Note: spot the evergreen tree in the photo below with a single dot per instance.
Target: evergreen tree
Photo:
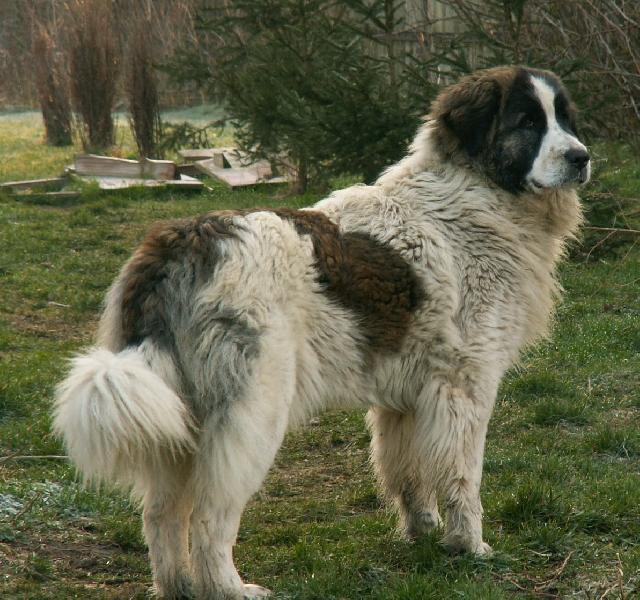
(312, 83)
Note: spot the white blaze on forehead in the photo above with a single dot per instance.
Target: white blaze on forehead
(546, 95)
(550, 167)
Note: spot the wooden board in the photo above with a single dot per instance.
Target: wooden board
(187, 169)
(108, 166)
(220, 161)
(225, 157)
(190, 154)
(234, 159)
(34, 184)
(120, 183)
(194, 154)
(242, 176)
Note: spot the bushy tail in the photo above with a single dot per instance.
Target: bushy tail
(116, 415)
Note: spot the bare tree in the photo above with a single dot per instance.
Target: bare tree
(52, 85)
(593, 44)
(142, 88)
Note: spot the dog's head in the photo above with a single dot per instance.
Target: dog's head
(515, 124)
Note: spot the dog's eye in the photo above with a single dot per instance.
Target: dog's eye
(525, 121)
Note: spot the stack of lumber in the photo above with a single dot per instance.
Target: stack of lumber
(118, 173)
(231, 166)
(225, 164)
(109, 173)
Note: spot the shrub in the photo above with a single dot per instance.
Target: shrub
(594, 45)
(186, 135)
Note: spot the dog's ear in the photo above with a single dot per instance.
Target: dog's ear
(464, 114)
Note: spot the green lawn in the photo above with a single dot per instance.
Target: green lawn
(562, 471)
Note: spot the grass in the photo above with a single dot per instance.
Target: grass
(560, 491)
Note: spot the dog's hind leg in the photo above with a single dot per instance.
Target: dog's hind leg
(400, 470)
(167, 505)
(237, 448)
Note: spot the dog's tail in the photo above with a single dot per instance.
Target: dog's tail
(116, 413)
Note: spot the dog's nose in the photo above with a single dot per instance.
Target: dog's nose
(577, 158)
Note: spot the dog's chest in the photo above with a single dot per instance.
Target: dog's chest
(505, 291)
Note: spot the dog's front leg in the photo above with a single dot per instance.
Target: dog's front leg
(451, 426)
(404, 478)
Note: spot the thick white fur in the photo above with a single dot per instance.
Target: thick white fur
(486, 259)
(115, 412)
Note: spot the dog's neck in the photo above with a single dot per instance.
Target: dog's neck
(422, 157)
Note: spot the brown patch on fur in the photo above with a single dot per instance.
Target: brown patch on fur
(143, 311)
(464, 112)
(365, 276)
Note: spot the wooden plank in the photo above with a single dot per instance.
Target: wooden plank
(220, 161)
(34, 184)
(108, 166)
(235, 160)
(107, 183)
(195, 154)
(239, 177)
(186, 182)
(187, 169)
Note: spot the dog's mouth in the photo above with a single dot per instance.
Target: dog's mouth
(535, 186)
(578, 177)
(585, 174)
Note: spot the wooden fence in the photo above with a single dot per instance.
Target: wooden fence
(427, 27)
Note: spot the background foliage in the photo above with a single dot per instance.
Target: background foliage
(305, 82)
(327, 87)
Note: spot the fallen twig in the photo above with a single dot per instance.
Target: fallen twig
(26, 508)
(623, 596)
(596, 246)
(4, 459)
(556, 575)
(539, 593)
(613, 230)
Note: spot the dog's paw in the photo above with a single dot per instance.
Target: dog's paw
(457, 545)
(180, 590)
(483, 549)
(252, 591)
(422, 523)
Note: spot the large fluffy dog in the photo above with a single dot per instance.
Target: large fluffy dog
(410, 297)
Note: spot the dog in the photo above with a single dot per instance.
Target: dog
(410, 298)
